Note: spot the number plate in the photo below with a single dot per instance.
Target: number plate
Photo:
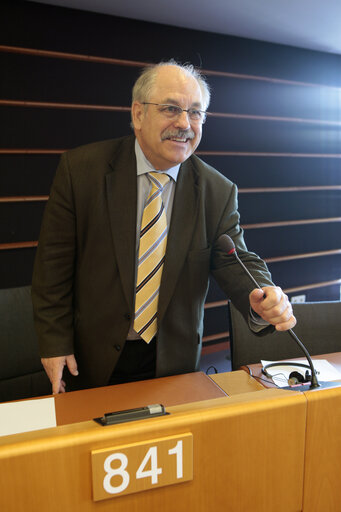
(141, 466)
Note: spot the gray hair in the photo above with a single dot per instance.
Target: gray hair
(143, 87)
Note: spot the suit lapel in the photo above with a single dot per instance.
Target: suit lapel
(121, 189)
(183, 221)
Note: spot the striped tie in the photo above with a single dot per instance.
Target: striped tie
(153, 241)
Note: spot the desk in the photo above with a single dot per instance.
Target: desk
(87, 404)
(248, 452)
(255, 370)
(322, 489)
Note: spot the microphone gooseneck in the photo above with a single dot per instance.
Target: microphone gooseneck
(226, 244)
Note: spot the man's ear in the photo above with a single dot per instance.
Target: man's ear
(137, 114)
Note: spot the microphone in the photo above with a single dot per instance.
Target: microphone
(226, 244)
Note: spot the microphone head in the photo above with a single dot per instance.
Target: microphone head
(226, 244)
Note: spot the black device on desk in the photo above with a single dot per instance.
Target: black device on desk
(140, 413)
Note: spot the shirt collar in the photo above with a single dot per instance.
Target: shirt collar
(144, 166)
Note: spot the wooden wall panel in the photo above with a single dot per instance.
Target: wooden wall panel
(305, 103)
(241, 135)
(16, 267)
(303, 271)
(294, 239)
(279, 206)
(20, 221)
(274, 130)
(60, 128)
(26, 175)
(63, 80)
(278, 171)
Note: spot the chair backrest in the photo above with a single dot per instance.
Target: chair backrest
(318, 327)
(21, 372)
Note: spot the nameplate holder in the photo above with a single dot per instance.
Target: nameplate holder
(141, 466)
(140, 413)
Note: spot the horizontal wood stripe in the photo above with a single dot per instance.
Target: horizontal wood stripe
(318, 254)
(270, 155)
(261, 225)
(218, 303)
(290, 257)
(252, 117)
(34, 243)
(312, 286)
(71, 106)
(132, 63)
(242, 76)
(208, 305)
(18, 245)
(322, 284)
(23, 199)
(31, 151)
(216, 347)
(217, 336)
(48, 151)
(288, 189)
(115, 108)
(72, 56)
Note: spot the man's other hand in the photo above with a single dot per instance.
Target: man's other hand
(54, 367)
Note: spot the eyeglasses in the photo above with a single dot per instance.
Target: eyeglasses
(173, 111)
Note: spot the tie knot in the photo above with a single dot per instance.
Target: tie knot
(159, 179)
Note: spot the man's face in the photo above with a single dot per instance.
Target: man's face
(166, 142)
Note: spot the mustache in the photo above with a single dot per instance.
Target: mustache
(178, 134)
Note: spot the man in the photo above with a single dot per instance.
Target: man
(90, 293)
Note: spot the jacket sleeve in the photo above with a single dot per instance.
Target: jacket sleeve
(226, 270)
(54, 268)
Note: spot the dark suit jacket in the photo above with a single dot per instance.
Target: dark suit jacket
(84, 274)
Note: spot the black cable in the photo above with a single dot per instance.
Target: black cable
(265, 380)
(214, 368)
